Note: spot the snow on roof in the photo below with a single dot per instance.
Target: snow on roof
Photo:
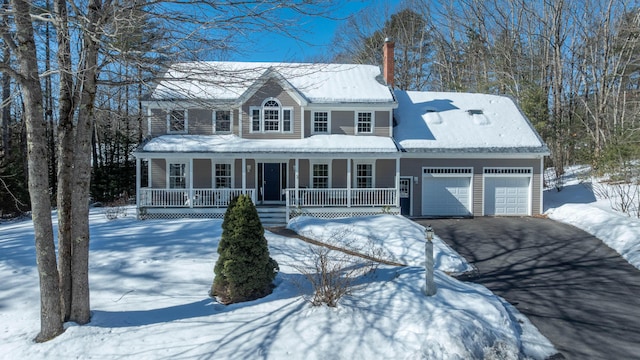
(318, 83)
(235, 144)
(440, 121)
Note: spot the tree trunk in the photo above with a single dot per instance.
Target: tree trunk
(65, 156)
(80, 307)
(50, 310)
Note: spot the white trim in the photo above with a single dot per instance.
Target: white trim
(371, 162)
(138, 174)
(186, 121)
(240, 118)
(281, 111)
(149, 117)
(390, 123)
(181, 161)
(444, 171)
(231, 163)
(313, 121)
(508, 172)
(329, 163)
(447, 172)
(214, 124)
(410, 179)
(456, 154)
(302, 128)
(541, 187)
(251, 119)
(355, 122)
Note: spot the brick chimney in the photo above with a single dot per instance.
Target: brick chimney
(388, 61)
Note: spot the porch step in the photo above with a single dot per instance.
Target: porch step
(271, 216)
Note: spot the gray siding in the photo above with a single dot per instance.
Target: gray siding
(200, 121)
(202, 174)
(158, 173)
(271, 89)
(158, 122)
(342, 122)
(339, 173)
(382, 123)
(385, 173)
(413, 167)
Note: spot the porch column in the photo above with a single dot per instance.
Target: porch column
(244, 175)
(348, 182)
(296, 168)
(138, 174)
(397, 182)
(191, 199)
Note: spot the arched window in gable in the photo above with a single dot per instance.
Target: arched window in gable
(271, 113)
(271, 117)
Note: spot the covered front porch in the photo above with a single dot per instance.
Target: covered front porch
(198, 186)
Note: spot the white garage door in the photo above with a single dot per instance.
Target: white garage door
(446, 196)
(506, 195)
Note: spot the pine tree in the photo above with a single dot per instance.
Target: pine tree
(244, 271)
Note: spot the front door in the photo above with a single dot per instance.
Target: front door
(405, 196)
(273, 177)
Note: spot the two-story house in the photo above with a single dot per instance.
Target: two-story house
(331, 140)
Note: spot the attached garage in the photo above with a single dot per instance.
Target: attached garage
(507, 191)
(446, 191)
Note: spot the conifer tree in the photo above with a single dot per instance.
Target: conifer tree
(244, 271)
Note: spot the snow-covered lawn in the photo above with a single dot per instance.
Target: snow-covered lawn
(149, 284)
(578, 205)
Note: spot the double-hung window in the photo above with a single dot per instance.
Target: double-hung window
(364, 122)
(222, 121)
(364, 176)
(320, 176)
(271, 113)
(320, 122)
(223, 176)
(177, 121)
(177, 176)
(271, 117)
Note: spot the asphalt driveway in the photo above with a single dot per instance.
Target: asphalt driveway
(578, 292)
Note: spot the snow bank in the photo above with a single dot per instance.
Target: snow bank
(619, 232)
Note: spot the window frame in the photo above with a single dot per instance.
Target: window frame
(356, 175)
(327, 121)
(259, 125)
(214, 119)
(185, 174)
(312, 175)
(372, 122)
(215, 176)
(185, 120)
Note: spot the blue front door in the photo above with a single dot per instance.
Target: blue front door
(271, 182)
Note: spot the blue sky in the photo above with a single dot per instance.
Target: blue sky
(316, 34)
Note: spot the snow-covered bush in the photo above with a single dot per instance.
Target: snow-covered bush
(244, 271)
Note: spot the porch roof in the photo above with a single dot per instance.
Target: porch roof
(232, 144)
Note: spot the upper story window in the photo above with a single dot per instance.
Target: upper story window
(222, 121)
(320, 122)
(177, 121)
(364, 122)
(271, 117)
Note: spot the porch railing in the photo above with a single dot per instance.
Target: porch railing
(341, 197)
(188, 198)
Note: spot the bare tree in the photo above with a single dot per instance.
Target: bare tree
(28, 78)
